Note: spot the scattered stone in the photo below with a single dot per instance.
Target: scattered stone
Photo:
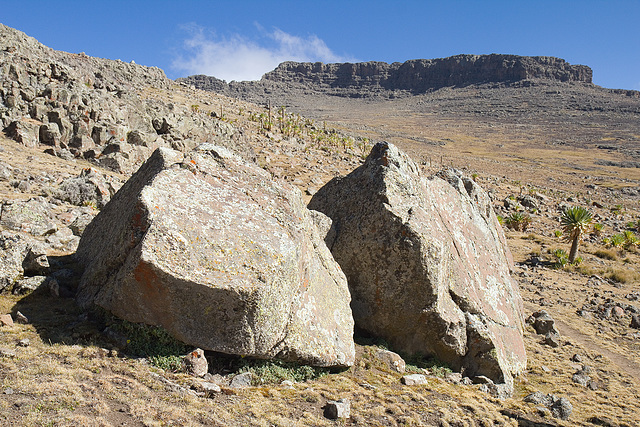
(31, 216)
(617, 312)
(337, 409)
(562, 408)
(5, 352)
(559, 407)
(543, 323)
(25, 342)
(453, 377)
(635, 321)
(287, 383)
(88, 189)
(80, 223)
(414, 379)
(13, 249)
(35, 261)
(392, 360)
(64, 240)
(576, 358)
(241, 380)
(210, 388)
(6, 320)
(21, 318)
(552, 339)
(30, 284)
(195, 363)
(581, 378)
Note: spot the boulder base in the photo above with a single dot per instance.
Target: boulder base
(211, 249)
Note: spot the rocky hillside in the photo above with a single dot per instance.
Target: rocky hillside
(91, 108)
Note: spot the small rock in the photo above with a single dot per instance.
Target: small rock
(35, 262)
(552, 339)
(241, 380)
(414, 379)
(196, 363)
(635, 321)
(539, 398)
(617, 312)
(581, 378)
(576, 358)
(6, 320)
(392, 360)
(24, 342)
(335, 409)
(542, 322)
(562, 408)
(21, 318)
(210, 388)
(30, 284)
(8, 391)
(5, 352)
(453, 377)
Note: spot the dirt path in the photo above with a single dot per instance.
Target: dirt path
(630, 367)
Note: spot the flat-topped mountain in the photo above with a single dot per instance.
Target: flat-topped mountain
(411, 77)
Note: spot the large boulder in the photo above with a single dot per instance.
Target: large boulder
(225, 259)
(427, 264)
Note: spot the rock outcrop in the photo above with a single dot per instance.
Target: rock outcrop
(94, 108)
(413, 77)
(427, 264)
(225, 259)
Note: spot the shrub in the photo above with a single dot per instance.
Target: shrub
(597, 229)
(630, 240)
(617, 240)
(154, 343)
(562, 259)
(518, 221)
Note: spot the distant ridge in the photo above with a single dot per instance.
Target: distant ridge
(412, 77)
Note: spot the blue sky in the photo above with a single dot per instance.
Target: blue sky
(238, 40)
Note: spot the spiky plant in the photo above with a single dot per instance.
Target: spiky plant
(575, 221)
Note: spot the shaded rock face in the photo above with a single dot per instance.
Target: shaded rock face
(210, 248)
(95, 108)
(427, 264)
(420, 75)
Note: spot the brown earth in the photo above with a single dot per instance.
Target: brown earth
(71, 374)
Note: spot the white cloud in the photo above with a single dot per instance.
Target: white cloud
(238, 58)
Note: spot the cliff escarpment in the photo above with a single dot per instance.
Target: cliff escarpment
(411, 77)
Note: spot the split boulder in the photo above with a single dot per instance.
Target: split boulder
(213, 250)
(427, 264)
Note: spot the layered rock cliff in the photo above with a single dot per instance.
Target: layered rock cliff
(414, 76)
